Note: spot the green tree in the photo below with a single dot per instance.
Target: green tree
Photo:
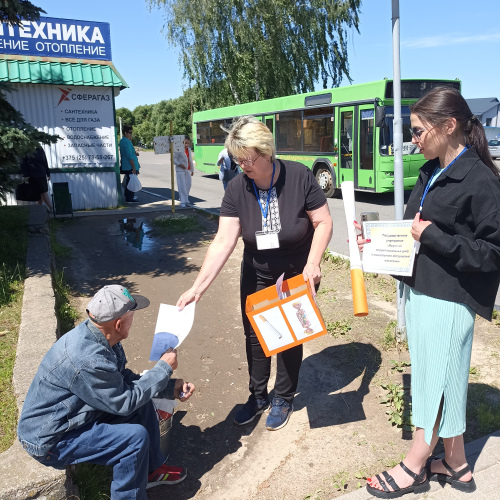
(142, 113)
(126, 115)
(145, 133)
(17, 137)
(163, 113)
(259, 49)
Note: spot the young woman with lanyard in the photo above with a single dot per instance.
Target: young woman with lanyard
(455, 207)
(282, 215)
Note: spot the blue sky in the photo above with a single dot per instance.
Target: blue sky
(439, 39)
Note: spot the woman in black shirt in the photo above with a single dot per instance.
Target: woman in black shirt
(282, 215)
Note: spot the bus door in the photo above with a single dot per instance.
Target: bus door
(269, 122)
(365, 172)
(347, 140)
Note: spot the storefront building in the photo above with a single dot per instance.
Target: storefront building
(66, 85)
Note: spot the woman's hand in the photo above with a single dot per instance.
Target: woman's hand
(188, 297)
(192, 173)
(183, 390)
(418, 226)
(312, 273)
(359, 238)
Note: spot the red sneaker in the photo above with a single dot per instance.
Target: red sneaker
(166, 474)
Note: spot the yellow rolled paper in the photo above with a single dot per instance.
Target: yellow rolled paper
(359, 302)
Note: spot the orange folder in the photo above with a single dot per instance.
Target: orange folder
(283, 323)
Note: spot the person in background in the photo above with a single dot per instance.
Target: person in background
(129, 163)
(228, 169)
(184, 170)
(83, 405)
(282, 215)
(455, 207)
(36, 168)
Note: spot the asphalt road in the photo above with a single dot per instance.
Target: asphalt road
(207, 193)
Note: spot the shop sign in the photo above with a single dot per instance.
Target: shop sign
(85, 122)
(52, 37)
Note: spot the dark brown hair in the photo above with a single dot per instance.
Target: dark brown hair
(126, 129)
(441, 104)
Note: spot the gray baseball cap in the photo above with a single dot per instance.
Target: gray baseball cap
(113, 301)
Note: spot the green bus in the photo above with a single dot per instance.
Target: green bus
(341, 134)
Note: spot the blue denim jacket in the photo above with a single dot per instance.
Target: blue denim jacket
(80, 379)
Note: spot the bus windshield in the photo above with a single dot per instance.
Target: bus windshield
(387, 133)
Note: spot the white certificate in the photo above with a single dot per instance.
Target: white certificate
(392, 247)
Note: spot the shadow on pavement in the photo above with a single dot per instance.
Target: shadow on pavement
(105, 250)
(325, 375)
(200, 451)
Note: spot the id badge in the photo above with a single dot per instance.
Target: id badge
(266, 241)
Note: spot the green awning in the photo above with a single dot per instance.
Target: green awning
(60, 73)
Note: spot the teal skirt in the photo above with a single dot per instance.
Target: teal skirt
(440, 341)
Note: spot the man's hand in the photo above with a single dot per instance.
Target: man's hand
(170, 357)
(183, 390)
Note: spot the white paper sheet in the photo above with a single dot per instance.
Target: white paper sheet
(172, 327)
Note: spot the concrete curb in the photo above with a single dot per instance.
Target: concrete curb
(22, 477)
(483, 456)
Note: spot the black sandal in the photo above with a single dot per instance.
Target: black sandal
(454, 478)
(420, 484)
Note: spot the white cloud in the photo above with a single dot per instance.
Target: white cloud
(443, 40)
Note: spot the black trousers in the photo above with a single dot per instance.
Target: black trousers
(259, 365)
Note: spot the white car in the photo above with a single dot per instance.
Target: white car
(494, 147)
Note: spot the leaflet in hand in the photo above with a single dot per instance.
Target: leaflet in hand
(172, 327)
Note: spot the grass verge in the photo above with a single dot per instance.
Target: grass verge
(14, 238)
(66, 313)
(177, 223)
(93, 481)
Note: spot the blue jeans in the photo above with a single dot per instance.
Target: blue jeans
(130, 444)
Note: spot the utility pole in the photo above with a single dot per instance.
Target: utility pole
(398, 158)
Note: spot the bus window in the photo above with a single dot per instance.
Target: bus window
(289, 131)
(387, 133)
(203, 133)
(346, 139)
(318, 130)
(269, 124)
(366, 139)
(218, 135)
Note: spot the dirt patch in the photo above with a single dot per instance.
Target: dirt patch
(339, 432)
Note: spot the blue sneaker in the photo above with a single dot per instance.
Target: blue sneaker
(250, 410)
(279, 414)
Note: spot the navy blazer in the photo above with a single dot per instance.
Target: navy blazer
(459, 257)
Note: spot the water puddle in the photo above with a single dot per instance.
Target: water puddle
(136, 234)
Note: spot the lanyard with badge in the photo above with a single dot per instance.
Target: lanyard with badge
(266, 240)
(437, 172)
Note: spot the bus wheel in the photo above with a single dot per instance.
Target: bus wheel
(326, 179)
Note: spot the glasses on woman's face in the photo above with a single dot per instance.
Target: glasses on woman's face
(247, 162)
(417, 132)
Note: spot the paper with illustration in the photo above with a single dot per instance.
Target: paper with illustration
(172, 327)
